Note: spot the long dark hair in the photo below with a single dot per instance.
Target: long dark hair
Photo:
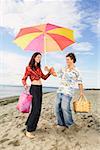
(32, 61)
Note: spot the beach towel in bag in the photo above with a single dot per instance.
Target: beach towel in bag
(82, 105)
(24, 102)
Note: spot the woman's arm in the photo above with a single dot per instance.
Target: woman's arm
(43, 76)
(51, 70)
(25, 78)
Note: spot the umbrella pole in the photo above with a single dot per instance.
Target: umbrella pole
(45, 50)
(45, 57)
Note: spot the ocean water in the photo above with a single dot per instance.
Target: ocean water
(7, 91)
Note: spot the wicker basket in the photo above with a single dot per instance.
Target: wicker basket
(82, 105)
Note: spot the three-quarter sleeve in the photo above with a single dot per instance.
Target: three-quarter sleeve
(25, 77)
(43, 76)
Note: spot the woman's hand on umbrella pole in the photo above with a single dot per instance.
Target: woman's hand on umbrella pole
(46, 68)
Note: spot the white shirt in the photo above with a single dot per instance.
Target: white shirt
(69, 78)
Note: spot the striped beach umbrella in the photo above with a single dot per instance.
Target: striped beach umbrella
(44, 38)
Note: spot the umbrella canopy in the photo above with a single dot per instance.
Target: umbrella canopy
(44, 38)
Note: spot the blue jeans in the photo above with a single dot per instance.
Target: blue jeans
(63, 110)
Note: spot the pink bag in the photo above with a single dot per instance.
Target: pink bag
(24, 102)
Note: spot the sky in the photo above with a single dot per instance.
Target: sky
(78, 15)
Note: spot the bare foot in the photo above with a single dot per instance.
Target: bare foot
(30, 135)
(75, 127)
(61, 128)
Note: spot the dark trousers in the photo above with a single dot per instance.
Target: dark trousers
(33, 118)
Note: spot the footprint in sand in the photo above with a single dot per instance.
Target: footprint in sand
(88, 120)
(19, 125)
(74, 141)
(91, 122)
(5, 135)
(78, 146)
(3, 140)
(2, 116)
(14, 143)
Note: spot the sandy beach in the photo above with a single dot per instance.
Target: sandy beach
(47, 135)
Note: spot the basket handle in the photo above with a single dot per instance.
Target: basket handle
(83, 97)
